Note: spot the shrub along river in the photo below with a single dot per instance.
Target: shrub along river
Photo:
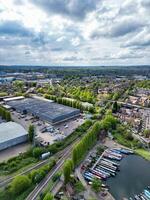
(133, 177)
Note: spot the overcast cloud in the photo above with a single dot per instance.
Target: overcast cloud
(75, 32)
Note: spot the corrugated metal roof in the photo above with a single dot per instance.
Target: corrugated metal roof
(11, 130)
(45, 110)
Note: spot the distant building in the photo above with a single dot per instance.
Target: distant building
(4, 80)
(11, 134)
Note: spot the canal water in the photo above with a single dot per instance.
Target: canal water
(133, 177)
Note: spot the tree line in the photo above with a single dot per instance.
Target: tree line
(86, 143)
(72, 103)
(23, 183)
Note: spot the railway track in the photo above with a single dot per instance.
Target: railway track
(39, 188)
(5, 182)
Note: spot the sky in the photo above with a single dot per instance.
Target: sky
(74, 32)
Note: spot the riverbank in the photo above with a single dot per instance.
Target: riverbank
(144, 153)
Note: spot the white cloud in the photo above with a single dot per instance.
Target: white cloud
(61, 38)
(88, 32)
(75, 41)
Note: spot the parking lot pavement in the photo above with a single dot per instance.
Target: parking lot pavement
(59, 132)
(112, 144)
(69, 126)
(16, 117)
(13, 151)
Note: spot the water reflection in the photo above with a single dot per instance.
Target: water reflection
(133, 177)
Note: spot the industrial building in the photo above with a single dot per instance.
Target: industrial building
(45, 110)
(11, 134)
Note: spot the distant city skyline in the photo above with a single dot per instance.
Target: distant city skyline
(74, 32)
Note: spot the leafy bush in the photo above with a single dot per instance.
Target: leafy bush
(37, 175)
(48, 196)
(19, 185)
(37, 151)
(56, 177)
(16, 163)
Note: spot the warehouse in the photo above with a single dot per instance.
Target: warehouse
(45, 110)
(11, 134)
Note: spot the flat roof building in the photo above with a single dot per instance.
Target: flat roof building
(11, 134)
(45, 110)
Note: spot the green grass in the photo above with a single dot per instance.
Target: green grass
(3, 94)
(144, 153)
(123, 141)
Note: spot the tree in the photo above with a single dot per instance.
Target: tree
(115, 107)
(19, 85)
(37, 151)
(86, 143)
(67, 170)
(128, 136)
(48, 196)
(96, 184)
(19, 185)
(56, 176)
(31, 132)
(32, 175)
(8, 116)
(116, 96)
(39, 176)
(5, 114)
(147, 133)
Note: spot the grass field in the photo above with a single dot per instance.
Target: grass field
(144, 153)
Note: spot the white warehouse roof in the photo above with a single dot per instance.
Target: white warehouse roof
(13, 98)
(10, 131)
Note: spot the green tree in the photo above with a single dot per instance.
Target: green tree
(75, 155)
(19, 85)
(147, 133)
(48, 196)
(67, 170)
(39, 176)
(32, 175)
(115, 107)
(96, 184)
(37, 151)
(7, 116)
(31, 132)
(116, 96)
(19, 185)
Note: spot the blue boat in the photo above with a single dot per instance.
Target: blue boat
(126, 151)
(116, 151)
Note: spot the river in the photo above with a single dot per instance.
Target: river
(133, 177)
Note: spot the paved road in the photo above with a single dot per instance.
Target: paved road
(55, 189)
